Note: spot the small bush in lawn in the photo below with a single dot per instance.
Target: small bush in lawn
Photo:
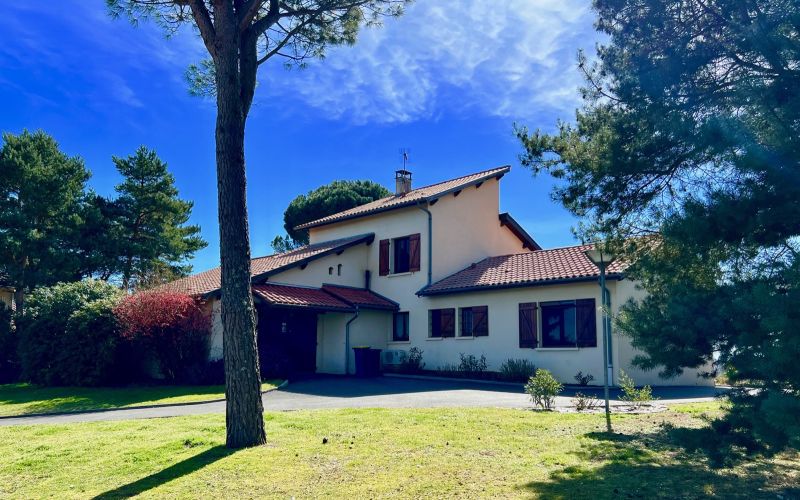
(585, 402)
(634, 396)
(9, 362)
(173, 326)
(582, 379)
(517, 370)
(412, 362)
(471, 365)
(67, 336)
(543, 389)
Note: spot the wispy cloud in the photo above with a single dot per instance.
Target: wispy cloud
(512, 59)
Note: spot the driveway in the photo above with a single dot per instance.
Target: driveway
(322, 392)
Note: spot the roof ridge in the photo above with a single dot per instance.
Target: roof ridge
(454, 179)
(533, 252)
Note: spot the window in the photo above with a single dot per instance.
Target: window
(339, 270)
(569, 323)
(330, 270)
(441, 323)
(400, 329)
(474, 321)
(402, 254)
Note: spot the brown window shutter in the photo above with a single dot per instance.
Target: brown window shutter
(383, 268)
(527, 325)
(480, 321)
(413, 251)
(586, 322)
(448, 322)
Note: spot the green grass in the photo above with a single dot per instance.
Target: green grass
(25, 399)
(369, 453)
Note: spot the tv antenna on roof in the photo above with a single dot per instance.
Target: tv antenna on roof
(405, 153)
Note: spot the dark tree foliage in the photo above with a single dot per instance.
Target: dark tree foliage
(686, 159)
(42, 203)
(240, 36)
(150, 222)
(321, 202)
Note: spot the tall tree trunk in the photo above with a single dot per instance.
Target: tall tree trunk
(244, 410)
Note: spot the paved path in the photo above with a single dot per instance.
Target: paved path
(384, 392)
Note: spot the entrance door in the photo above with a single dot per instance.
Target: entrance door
(287, 341)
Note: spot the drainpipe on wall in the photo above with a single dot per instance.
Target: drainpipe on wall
(430, 243)
(347, 342)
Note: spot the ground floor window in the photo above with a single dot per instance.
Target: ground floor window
(400, 329)
(569, 323)
(441, 323)
(474, 321)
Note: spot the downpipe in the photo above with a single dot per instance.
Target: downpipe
(430, 243)
(347, 341)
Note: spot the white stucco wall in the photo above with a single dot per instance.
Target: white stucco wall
(353, 261)
(215, 352)
(7, 296)
(370, 328)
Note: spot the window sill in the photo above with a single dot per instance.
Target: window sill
(435, 338)
(399, 342)
(397, 275)
(558, 349)
(465, 337)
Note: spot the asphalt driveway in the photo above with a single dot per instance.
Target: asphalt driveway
(384, 392)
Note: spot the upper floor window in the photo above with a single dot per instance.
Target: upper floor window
(399, 255)
(441, 323)
(474, 321)
(569, 323)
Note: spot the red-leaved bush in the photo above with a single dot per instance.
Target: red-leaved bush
(174, 326)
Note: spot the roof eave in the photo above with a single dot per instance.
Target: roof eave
(523, 284)
(501, 171)
(527, 240)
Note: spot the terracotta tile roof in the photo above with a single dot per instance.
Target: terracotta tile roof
(423, 194)
(526, 269)
(361, 297)
(298, 296)
(261, 267)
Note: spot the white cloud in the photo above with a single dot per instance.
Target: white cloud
(510, 58)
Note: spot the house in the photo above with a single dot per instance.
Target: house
(440, 269)
(6, 292)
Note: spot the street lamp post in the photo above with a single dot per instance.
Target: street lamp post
(602, 261)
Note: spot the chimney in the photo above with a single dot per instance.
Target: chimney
(402, 180)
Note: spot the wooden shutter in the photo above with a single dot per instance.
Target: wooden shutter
(527, 325)
(413, 252)
(586, 323)
(383, 268)
(480, 321)
(448, 317)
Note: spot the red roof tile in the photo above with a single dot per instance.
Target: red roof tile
(532, 268)
(423, 194)
(209, 281)
(361, 297)
(297, 296)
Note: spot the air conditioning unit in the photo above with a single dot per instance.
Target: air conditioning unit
(393, 356)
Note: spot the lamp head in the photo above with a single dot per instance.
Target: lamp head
(598, 257)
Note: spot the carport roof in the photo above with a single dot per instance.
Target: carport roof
(327, 298)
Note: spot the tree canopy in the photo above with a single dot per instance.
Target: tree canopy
(321, 202)
(690, 135)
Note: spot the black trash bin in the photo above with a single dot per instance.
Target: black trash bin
(368, 361)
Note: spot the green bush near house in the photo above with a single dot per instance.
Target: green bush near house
(636, 397)
(517, 370)
(543, 389)
(68, 335)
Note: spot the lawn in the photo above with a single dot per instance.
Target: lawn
(25, 399)
(369, 453)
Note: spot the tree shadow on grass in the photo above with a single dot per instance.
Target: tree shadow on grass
(172, 472)
(666, 464)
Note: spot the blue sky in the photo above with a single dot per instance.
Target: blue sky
(447, 81)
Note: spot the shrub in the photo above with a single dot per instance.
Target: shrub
(585, 402)
(517, 370)
(173, 326)
(9, 362)
(67, 335)
(412, 362)
(471, 365)
(582, 379)
(543, 389)
(634, 396)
